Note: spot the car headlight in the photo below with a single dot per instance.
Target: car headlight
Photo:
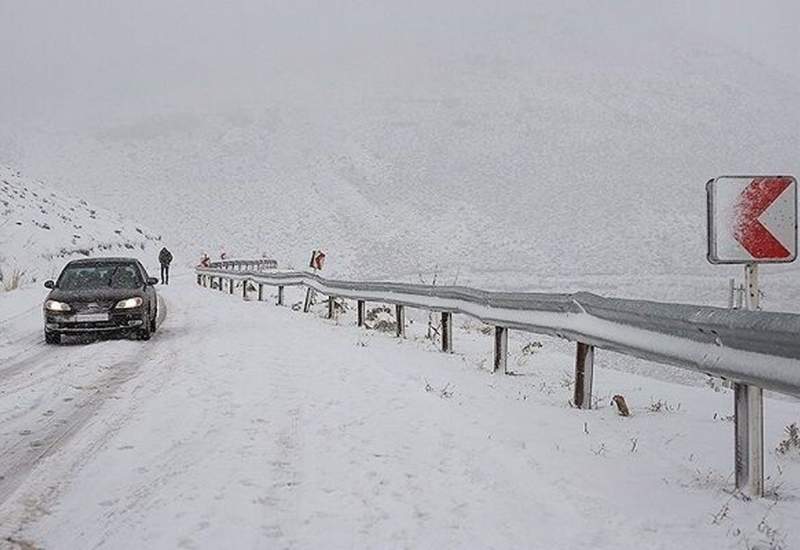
(129, 303)
(53, 305)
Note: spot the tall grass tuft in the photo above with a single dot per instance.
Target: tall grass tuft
(11, 281)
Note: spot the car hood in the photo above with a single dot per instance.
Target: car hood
(97, 294)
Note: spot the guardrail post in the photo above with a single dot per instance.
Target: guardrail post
(244, 290)
(331, 307)
(260, 292)
(400, 320)
(280, 295)
(230, 286)
(362, 312)
(584, 372)
(500, 350)
(447, 332)
(748, 407)
(199, 280)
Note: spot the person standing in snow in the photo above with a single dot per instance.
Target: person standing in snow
(165, 258)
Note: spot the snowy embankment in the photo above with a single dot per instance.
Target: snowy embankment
(40, 230)
(247, 425)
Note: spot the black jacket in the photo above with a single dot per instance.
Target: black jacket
(165, 256)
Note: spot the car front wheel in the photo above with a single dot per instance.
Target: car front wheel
(52, 338)
(153, 325)
(145, 332)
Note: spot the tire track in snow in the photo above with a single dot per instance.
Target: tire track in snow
(23, 456)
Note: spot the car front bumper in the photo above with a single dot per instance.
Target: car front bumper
(116, 322)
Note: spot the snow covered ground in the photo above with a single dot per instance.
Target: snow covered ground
(248, 425)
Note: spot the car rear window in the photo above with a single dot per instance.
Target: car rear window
(93, 276)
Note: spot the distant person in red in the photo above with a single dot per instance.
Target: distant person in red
(165, 258)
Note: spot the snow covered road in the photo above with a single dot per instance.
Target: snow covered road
(251, 426)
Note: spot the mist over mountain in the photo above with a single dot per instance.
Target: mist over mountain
(535, 139)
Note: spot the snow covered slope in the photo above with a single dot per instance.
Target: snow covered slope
(510, 142)
(41, 229)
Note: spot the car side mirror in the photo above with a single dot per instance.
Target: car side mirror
(49, 284)
(152, 281)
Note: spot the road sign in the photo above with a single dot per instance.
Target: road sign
(752, 219)
(317, 259)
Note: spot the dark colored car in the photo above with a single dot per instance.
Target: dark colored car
(101, 295)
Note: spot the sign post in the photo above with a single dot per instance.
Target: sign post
(316, 264)
(751, 220)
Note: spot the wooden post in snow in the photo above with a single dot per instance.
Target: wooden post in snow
(362, 312)
(447, 332)
(584, 372)
(500, 350)
(400, 320)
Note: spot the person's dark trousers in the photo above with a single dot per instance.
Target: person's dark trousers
(164, 274)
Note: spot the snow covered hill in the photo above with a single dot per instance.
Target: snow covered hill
(518, 145)
(41, 229)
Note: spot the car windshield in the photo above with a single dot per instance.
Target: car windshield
(93, 276)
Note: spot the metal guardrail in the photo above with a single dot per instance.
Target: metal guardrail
(754, 349)
(243, 265)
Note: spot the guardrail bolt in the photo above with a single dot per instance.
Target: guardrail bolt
(500, 350)
(400, 320)
(447, 332)
(584, 372)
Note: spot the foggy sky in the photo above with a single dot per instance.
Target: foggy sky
(66, 61)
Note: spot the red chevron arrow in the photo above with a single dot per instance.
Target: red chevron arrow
(751, 233)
